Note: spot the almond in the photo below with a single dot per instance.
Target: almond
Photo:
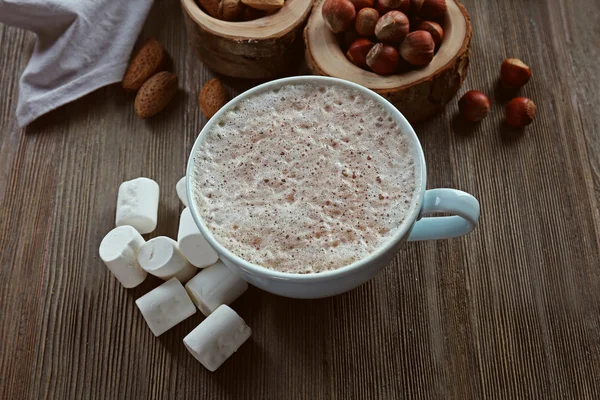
(264, 5)
(212, 97)
(155, 94)
(231, 10)
(251, 14)
(211, 7)
(151, 59)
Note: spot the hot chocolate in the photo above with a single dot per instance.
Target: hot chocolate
(304, 178)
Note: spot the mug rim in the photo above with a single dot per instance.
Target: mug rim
(402, 231)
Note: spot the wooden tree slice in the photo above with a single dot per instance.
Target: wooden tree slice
(264, 48)
(418, 94)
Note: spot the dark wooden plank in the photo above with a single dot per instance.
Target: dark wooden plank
(511, 311)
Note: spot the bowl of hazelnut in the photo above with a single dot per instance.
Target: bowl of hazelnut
(415, 53)
(257, 39)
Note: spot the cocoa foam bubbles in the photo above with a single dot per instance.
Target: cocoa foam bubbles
(304, 178)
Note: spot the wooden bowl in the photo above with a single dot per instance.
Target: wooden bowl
(264, 48)
(418, 94)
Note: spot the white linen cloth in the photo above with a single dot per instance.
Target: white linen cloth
(81, 45)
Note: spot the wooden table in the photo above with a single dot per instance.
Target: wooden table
(510, 311)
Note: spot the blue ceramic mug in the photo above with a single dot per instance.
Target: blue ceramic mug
(463, 208)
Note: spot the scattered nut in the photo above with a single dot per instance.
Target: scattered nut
(148, 61)
(392, 27)
(383, 59)
(520, 112)
(434, 29)
(155, 94)
(432, 9)
(212, 97)
(360, 4)
(357, 53)
(366, 19)
(338, 14)
(514, 73)
(417, 48)
(474, 106)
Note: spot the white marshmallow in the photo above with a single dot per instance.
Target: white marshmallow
(217, 337)
(182, 191)
(165, 306)
(214, 286)
(161, 257)
(137, 204)
(192, 243)
(119, 250)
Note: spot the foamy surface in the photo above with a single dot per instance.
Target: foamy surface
(305, 178)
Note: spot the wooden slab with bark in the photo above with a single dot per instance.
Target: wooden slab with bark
(264, 48)
(418, 94)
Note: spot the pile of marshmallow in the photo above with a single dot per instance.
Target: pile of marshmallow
(209, 284)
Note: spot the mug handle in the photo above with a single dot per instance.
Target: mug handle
(464, 207)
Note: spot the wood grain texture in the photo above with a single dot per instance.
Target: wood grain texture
(511, 311)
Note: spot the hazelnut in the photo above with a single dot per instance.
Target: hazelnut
(414, 22)
(415, 6)
(432, 9)
(382, 9)
(404, 6)
(392, 27)
(360, 4)
(357, 52)
(434, 29)
(383, 59)
(520, 112)
(400, 5)
(474, 106)
(417, 48)
(514, 73)
(365, 21)
(338, 14)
